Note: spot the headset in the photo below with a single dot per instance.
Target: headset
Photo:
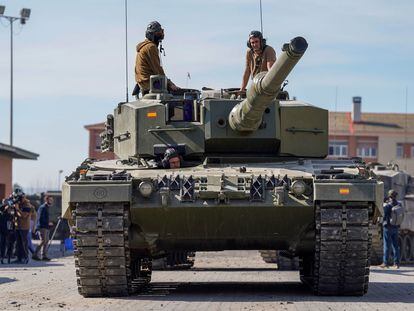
(256, 34)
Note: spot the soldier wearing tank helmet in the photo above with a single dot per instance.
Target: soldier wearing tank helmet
(147, 61)
(171, 159)
(259, 57)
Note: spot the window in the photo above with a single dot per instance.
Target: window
(338, 148)
(98, 140)
(367, 150)
(400, 150)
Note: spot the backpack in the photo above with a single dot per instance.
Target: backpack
(397, 215)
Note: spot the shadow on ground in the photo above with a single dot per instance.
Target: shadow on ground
(266, 292)
(4, 280)
(31, 264)
(231, 269)
(407, 271)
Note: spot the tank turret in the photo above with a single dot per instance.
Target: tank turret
(218, 125)
(247, 115)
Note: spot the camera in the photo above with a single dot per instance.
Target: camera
(15, 197)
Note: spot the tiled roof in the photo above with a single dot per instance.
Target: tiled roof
(398, 123)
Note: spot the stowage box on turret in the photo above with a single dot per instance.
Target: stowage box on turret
(252, 177)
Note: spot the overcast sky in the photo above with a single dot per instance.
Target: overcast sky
(70, 61)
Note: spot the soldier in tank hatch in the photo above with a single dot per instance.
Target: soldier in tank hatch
(148, 61)
(171, 159)
(259, 57)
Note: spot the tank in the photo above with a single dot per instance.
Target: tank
(403, 183)
(253, 176)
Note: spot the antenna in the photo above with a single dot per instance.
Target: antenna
(405, 127)
(126, 50)
(335, 116)
(261, 18)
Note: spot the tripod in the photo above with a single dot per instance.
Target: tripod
(54, 233)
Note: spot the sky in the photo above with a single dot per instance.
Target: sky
(69, 62)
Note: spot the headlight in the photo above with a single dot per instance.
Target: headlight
(145, 188)
(298, 187)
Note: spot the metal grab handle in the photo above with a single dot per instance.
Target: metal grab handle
(299, 130)
(123, 136)
(171, 129)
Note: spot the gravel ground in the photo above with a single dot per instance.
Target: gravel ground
(230, 280)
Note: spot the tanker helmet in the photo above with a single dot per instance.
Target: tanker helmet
(152, 29)
(256, 34)
(169, 154)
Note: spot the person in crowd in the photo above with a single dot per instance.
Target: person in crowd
(25, 212)
(42, 226)
(390, 232)
(259, 57)
(31, 230)
(3, 230)
(8, 223)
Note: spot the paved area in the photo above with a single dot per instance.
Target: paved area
(231, 280)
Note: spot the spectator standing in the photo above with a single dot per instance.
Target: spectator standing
(8, 233)
(42, 226)
(390, 232)
(31, 230)
(3, 232)
(24, 212)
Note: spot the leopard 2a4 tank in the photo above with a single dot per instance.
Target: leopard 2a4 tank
(253, 177)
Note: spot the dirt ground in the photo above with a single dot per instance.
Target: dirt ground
(230, 280)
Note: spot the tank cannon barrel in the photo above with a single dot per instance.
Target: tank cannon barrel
(247, 115)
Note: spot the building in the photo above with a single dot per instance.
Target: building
(95, 142)
(7, 154)
(373, 136)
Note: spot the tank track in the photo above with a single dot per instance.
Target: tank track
(342, 250)
(102, 254)
(283, 263)
(377, 245)
(407, 247)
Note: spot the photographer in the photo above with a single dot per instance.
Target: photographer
(3, 230)
(7, 229)
(25, 212)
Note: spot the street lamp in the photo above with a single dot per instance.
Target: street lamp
(24, 16)
(60, 173)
